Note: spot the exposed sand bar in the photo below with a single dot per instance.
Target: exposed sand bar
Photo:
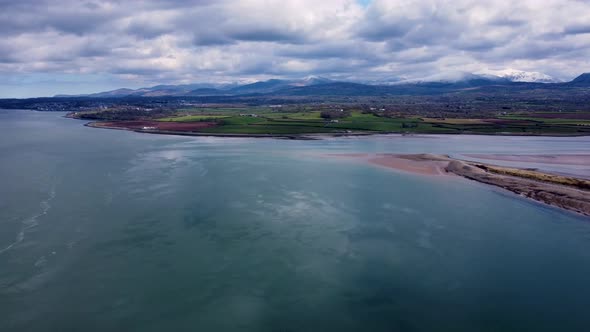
(569, 193)
(418, 164)
(558, 159)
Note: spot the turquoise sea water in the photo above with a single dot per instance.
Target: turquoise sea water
(112, 230)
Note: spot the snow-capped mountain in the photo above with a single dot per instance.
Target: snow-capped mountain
(515, 75)
(491, 76)
(442, 82)
(450, 77)
(312, 80)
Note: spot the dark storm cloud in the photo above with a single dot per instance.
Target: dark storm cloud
(265, 35)
(146, 30)
(212, 38)
(377, 31)
(577, 29)
(73, 18)
(475, 45)
(366, 51)
(508, 22)
(135, 70)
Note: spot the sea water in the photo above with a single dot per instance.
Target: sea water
(113, 230)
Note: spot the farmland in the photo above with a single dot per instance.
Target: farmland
(419, 115)
(272, 121)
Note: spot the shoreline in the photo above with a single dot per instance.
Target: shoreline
(569, 193)
(555, 190)
(312, 136)
(425, 165)
(557, 159)
(306, 137)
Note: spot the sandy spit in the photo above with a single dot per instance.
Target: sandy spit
(564, 192)
(559, 159)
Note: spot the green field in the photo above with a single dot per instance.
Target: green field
(260, 120)
(192, 118)
(551, 121)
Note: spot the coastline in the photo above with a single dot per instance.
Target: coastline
(314, 136)
(425, 164)
(569, 193)
(307, 137)
(555, 190)
(557, 159)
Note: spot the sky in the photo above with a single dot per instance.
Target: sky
(71, 46)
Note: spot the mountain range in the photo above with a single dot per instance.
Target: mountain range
(319, 86)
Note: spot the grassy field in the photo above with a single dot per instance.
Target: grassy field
(261, 120)
(534, 175)
(192, 118)
(454, 121)
(551, 121)
(218, 110)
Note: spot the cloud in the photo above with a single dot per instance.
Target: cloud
(182, 41)
(577, 29)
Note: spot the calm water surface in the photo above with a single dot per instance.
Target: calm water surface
(111, 230)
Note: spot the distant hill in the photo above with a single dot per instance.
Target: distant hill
(455, 77)
(276, 85)
(514, 75)
(334, 89)
(206, 92)
(207, 89)
(261, 87)
(583, 79)
(319, 86)
(159, 91)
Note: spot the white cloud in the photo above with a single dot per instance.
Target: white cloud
(182, 41)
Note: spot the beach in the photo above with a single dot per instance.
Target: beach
(565, 192)
(423, 164)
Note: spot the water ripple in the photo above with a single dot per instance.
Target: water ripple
(33, 221)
